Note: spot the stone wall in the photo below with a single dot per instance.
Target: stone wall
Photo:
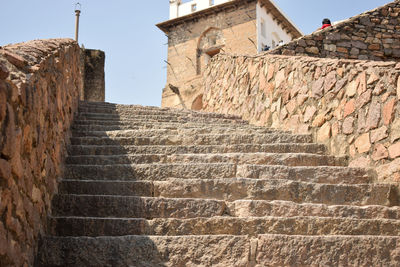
(94, 82)
(351, 106)
(40, 83)
(373, 35)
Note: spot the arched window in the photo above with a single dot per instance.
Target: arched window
(209, 44)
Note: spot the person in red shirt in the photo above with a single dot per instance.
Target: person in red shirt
(325, 24)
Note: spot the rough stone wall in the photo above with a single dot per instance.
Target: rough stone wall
(373, 35)
(351, 106)
(94, 82)
(40, 83)
(236, 26)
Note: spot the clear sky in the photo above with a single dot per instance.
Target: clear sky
(125, 29)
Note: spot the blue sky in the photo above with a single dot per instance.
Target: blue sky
(125, 29)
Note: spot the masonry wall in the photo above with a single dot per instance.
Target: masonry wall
(236, 27)
(351, 106)
(374, 35)
(94, 80)
(40, 83)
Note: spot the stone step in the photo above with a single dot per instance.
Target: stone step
(289, 250)
(279, 208)
(129, 131)
(90, 226)
(146, 251)
(139, 111)
(135, 207)
(286, 159)
(325, 174)
(244, 148)
(220, 250)
(140, 124)
(243, 188)
(156, 118)
(198, 139)
(154, 207)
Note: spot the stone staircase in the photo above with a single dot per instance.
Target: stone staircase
(146, 186)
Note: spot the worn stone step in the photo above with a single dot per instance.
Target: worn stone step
(242, 188)
(253, 226)
(156, 118)
(289, 250)
(315, 174)
(102, 131)
(145, 251)
(135, 207)
(139, 111)
(287, 159)
(198, 139)
(324, 174)
(139, 123)
(155, 207)
(191, 149)
(279, 208)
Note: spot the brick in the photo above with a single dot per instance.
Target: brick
(363, 143)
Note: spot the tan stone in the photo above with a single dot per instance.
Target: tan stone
(362, 87)
(363, 143)
(330, 81)
(335, 129)
(394, 150)
(379, 134)
(388, 109)
(387, 171)
(361, 162)
(351, 88)
(324, 133)
(398, 88)
(380, 152)
(373, 78)
(271, 72)
(319, 120)
(318, 88)
(352, 151)
(395, 130)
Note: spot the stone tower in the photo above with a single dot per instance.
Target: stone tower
(200, 29)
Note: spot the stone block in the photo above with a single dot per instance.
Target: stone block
(308, 115)
(388, 110)
(394, 150)
(349, 108)
(379, 134)
(324, 133)
(380, 152)
(374, 115)
(348, 125)
(363, 143)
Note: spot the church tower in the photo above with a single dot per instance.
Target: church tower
(198, 30)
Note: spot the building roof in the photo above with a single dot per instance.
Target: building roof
(271, 7)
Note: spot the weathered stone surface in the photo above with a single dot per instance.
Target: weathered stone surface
(348, 125)
(388, 109)
(380, 152)
(379, 134)
(349, 108)
(394, 150)
(374, 115)
(363, 143)
(33, 123)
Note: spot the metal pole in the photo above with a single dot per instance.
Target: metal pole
(77, 12)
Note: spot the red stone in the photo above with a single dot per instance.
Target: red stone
(15, 59)
(379, 134)
(388, 109)
(349, 108)
(362, 86)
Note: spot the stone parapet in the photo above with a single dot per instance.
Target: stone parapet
(40, 85)
(373, 35)
(351, 106)
(94, 77)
